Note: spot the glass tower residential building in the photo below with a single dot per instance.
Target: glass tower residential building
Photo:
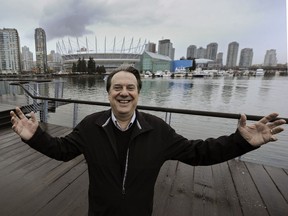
(191, 52)
(201, 52)
(270, 58)
(211, 51)
(10, 57)
(27, 59)
(232, 54)
(165, 47)
(246, 57)
(41, 50)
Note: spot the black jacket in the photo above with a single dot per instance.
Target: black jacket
(152, 143)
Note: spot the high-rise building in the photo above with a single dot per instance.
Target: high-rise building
(41, 50)
(27, 59)
(165, 47)
(10, 57)
(232, 54)
(191, 52)
(246, 57)
(270, 58)
(150, 47)
(201, 52)
(219, 59)
(211, 51)
(54, 61)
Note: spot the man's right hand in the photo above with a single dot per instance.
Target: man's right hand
(23, 126)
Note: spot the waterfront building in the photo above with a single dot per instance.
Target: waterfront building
(165, 47)
(154, 62)
(10, 57)
(191, 52)
(201, 53)
(150, 47)
(41, 50)
(211, 51)
(270, 58)
(232, 54)
(27, 59)
(246, 57)
(54, 61)
(181, 65)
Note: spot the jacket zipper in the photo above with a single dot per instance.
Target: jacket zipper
(125, 172)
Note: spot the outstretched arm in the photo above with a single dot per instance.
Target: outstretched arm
(261, 132)
(23, 126)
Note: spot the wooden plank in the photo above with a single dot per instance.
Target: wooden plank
(4, 131)
(14, 158)
(280, 179)
(72, 199)
(8, 141)
(274, 201)
(204, 194)
(249, 197)
(63, 192)
(163, 186)
(180, 200)
(32, 184)
(227, 201)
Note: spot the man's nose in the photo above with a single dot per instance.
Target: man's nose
(124, 91)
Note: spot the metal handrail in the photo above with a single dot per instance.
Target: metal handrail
(35, 106)
(159, 109)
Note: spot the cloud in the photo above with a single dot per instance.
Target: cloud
(76, 18)
(71, 18)
(259, 24)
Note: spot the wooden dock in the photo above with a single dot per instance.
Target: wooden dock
(33, 184)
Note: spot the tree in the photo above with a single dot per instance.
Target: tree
(79, 65)
(74, 67)
(91, 66)
(100, 69)
(83, 65)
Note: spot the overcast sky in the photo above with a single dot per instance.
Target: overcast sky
(257, 24)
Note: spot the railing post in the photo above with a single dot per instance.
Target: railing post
(35, 94)
(27, 96)
(56, 93)
(44, 111)
(75, 115)
(168, 117)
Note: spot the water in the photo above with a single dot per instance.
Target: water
(250, 95)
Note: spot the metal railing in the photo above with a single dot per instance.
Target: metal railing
(35, 106)
(168, 111)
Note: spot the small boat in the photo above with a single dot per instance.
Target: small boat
(259, 72)
(199, 73)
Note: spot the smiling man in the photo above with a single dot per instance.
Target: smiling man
(125, 148)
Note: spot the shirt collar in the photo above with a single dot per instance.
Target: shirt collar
(115, 122)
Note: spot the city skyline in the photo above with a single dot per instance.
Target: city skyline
(260, 25)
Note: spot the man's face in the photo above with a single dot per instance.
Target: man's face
(123, 94)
